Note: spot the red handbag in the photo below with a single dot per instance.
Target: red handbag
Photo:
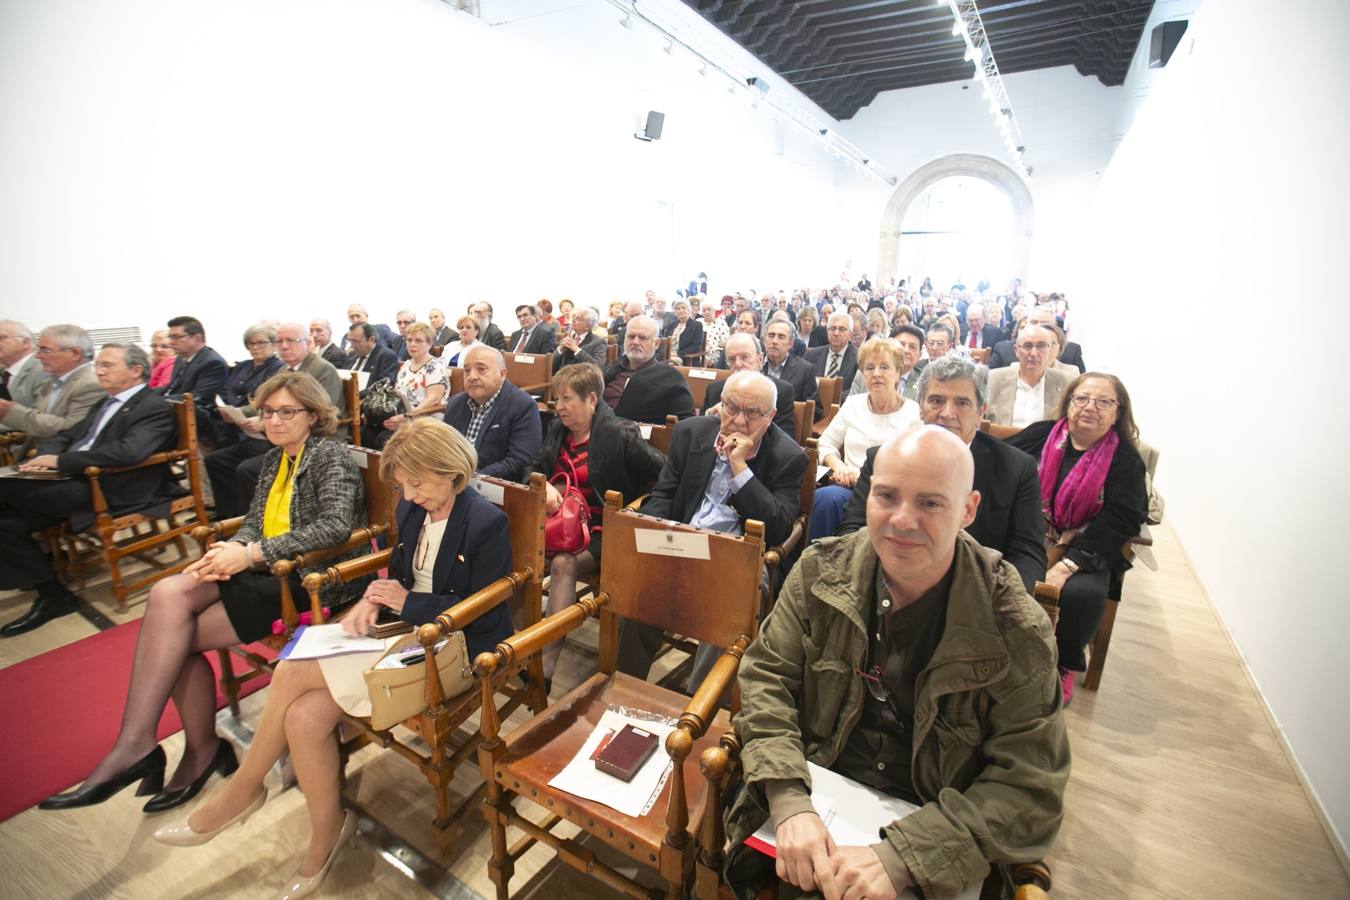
(569, 528)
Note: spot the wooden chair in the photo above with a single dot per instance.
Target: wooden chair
(101, 540)
(981, 355)
(456, 382)
(699, 379)
(351, 413)
(726, 586)
(8, 441)
(775, 556)
(830, 396)
(381, 503)
(611, 350)
(525, 508)
(696, 359)
(531, 372)
(663, 349)
(802, 413)
(659, 436)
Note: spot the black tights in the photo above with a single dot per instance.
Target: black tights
(1082, 601)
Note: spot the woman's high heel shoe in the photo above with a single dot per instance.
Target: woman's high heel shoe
(299, 885)
(223, 762)
(182, 835)
(148, 770)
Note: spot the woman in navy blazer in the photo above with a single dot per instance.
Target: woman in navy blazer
(432, 463)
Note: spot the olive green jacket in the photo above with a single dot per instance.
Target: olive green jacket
(991, 756)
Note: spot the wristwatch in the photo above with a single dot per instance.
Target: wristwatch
(1070, 565)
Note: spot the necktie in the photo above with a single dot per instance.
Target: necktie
(360, 365)
(520, 344)
(4, 385)
(832, 371)
(973, 338)
(87, 439)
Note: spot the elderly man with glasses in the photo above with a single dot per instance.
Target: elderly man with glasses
(1029, 391)
(70, 389)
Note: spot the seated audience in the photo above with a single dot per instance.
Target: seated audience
(422, 382)
(565, 308)
(722, 470)
(658, 311)
(809, 331)
(245, 377)
(71, 387)
(533, 336)
(602, 452)
(911, 341)
(953, 393)
(441, 333)
(976, 334)
(162, 358)
(1028, 392)
(369, 355)
(863, 422)
(876, 324)
(199, 370)
(498, 418)
(898, 603)
(1069, 352)
(1093, 498)
(546, 315)
(310, 497)
(321, 343)
(453, 543)
(715, 332)
(357, 315)
(128, 424)
(1059, 365)
(781, 364)
(402, 319)
(686, 338)
(468, 330)
(21, 372)
(838, 358)
(639, 387)
(743, 355)
(579, 343)
(619, 326)
(489, 333)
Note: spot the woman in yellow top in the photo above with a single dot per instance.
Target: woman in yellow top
(309, 497)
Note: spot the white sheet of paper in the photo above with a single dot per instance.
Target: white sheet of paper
(493, 493)
(821, 472)
(671, 543)
(645, 429)
(854, 814)
(231, 414)
(705, 374)
(318, 641)
(635, 798)
(362, 378)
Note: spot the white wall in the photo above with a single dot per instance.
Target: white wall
(1067, 124)
(282, 159)
(1220, 225)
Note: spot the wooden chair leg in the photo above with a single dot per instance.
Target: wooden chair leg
(500, 866)
(1100, 644)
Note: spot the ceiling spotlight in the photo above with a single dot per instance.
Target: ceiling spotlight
(958, 27)
(669, 48)
(824, 131)
(626, 21)
(758, 84)
(703, 69)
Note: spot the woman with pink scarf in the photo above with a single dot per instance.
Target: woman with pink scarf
(1094, 500)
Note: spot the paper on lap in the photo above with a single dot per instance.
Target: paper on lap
(318, 641)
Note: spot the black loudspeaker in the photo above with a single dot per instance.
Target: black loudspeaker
(652, 131)
(1166, 36)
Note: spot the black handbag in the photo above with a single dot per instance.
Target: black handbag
(381, 402)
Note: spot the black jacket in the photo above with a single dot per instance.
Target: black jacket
(203, 378)
(382, 363)
(691, 340)
(493, 337)
(773, 496)
(142, 426)
(475, 551)
(1009, 516)
(819, 358)
(785, 416)
(802, 376)
(334, 354)
(1002, 356)
(652, 393)
(542, 340)
(1125, 508)
(1073, 356)
(510, 435)
(592, 350)
(620, 460)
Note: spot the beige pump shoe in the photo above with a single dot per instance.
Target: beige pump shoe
(299, 885)
(181, 835)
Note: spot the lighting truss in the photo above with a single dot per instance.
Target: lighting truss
(969, 27)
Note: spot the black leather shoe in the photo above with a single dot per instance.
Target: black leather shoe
(148, 770)
(43, 610)
(223, 762)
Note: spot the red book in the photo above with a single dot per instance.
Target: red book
(626, 752)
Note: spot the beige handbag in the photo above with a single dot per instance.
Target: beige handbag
(399, 693)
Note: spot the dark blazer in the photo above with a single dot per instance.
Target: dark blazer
(668, 322)
(654, 392)
(400, 349)
(785, 416)
(1125, 500)
(493, 337)
(444, 335)
(333, 353)
(592, 350)
(1009, 516)
(475, 551)
(773, 496)
(510, 435)
(142, 426)
(542, 340)
(819, 358)
(1073, 356)
(383, 333)
(1002, 356)
(818, 338)
(382, 363)
(691, 340)
(202, 378)
(244, 379)
(989, 336)
(620, 460)
(802, 376)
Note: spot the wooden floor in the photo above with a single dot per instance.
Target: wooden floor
(1179, 790)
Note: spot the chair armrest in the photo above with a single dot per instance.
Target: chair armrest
(154, 459)
(775, 555)
(1046, 593)
(702, 707)
(217, 531)
(633, 506)
(538, 636)
(359, 538)
(1032, 880)
(481, 602)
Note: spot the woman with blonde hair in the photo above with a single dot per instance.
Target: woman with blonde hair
(423, 381)
(162, 355)
(452, 543)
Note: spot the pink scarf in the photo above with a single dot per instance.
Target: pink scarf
(1080, 497)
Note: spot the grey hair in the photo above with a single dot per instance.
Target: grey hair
(751, 380)
(71, 337)
(20, 330)
(679, 301)
(955, 368)
(261, 328)
(656, 326)
(132, 355)
(736, 338)
(842, 317)
(481, 347)
(589, 314)
(943, 326)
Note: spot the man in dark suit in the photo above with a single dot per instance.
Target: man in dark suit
(743, 355)
(619, 325)
(498, 418)
(1069, 352)
(1002, 355)
(357, 315)
(488, 332)
(532, 337)
(442, 333)
(838, 358)
(780, 363)
(321, 343)
(639, 387)
(369, 355)
(128, 425)
(580, 344)
(666, 317)
(985, 336)
(199, 370)
(1008, 520)
(403, 319)
(721, 471)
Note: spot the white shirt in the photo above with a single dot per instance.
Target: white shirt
(1029, 405)
(855, 429)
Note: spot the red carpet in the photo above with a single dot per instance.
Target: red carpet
(61, 712)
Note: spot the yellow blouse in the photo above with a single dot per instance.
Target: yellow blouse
(277, 513)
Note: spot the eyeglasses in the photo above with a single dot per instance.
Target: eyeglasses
(937, 344)
(751, 415)
(285, 342)
(1102, 404)
(404, 322)
(1039, 348)
(251, 344)
(177, 337)
(877, 688)
(284, 413)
